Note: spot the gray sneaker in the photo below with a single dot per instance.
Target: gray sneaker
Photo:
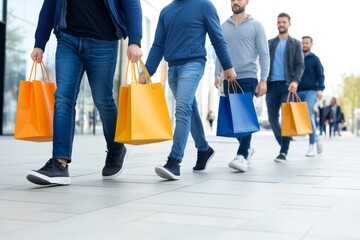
(281, 158)
(319, 146)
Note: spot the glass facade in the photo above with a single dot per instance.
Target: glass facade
(22, 17)
(20, 28)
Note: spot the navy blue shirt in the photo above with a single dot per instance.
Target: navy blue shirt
(313, 77)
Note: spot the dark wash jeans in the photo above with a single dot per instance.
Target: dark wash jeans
(277, 93)
(74, 57)
(247, 85)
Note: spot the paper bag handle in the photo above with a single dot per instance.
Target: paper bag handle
(135, 71)
(234, 84)
(295, 97)
(43, 70)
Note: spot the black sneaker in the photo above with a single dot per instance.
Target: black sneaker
(281, 158)
(53, 173)
(170, 171)
(114, 164)
(203, 158)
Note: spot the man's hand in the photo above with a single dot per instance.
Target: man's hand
(293, 87)
(261, 88)
(142, 78)
(134, 52)
(37, 55)
(217, 83)
(230, 74)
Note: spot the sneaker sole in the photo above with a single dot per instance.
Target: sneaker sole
(237, 167)
(120, 171)
(40, 179)
(162, 172)
(280, 161)
(206, 163)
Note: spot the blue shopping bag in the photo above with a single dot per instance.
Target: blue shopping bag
(237, 116)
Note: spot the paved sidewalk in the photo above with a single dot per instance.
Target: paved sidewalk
(307, 198)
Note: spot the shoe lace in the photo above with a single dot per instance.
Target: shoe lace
(201, 155)
(172, 163)
(112, 157)
(49, 165)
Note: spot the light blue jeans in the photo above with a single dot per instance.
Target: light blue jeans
(310, 97)
(97, 58)
(183, 82)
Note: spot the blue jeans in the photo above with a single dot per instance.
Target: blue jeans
(277, 93)
(183, 82)
(98, 58)
(310, 98)
(247, 85)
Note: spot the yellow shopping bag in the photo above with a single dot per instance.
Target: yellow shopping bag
(35, 108)
(295, 118)
(143, 115)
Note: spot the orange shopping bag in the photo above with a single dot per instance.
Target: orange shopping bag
(295, 118)
(35, 108)
(143, 115)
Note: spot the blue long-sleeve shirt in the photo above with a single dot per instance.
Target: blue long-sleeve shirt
(313, 77)
(181, 34)
(126, 16)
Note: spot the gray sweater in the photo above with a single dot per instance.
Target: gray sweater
(248, 47)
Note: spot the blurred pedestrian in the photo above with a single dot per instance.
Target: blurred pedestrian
(333, 117)
(322, 115)
(211, 117)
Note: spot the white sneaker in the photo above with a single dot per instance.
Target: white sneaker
(251, 152)
(311, 151)
(239, 163)
(319, 146)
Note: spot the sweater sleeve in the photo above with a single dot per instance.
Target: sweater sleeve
(45, 24)
(216, 36)
(263, 50)
(157, 49)
(320, 77)
(133, 19)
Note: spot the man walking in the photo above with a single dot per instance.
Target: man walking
(286, 69)
(180, 38)
(88, 34)
(310, 89)
(247, 43)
